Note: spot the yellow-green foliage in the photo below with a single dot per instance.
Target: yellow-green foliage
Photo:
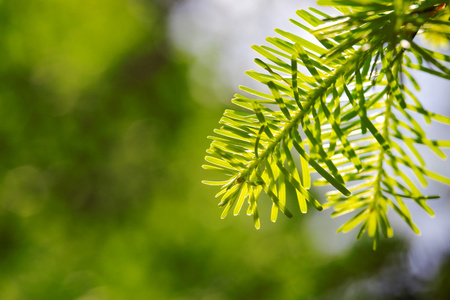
(341, 104)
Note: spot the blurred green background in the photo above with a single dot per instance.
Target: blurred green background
(101, 143)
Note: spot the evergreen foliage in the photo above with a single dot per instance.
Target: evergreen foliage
(338, 107)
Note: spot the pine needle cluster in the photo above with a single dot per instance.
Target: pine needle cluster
(340, 107)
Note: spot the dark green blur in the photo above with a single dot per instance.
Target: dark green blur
(101, 145)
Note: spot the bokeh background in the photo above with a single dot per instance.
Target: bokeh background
(104, 111)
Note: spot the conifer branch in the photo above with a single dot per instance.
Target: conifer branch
(341, 115)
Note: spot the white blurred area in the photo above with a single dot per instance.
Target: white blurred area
(218, 35)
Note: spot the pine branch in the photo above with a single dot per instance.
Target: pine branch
(341, 115)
